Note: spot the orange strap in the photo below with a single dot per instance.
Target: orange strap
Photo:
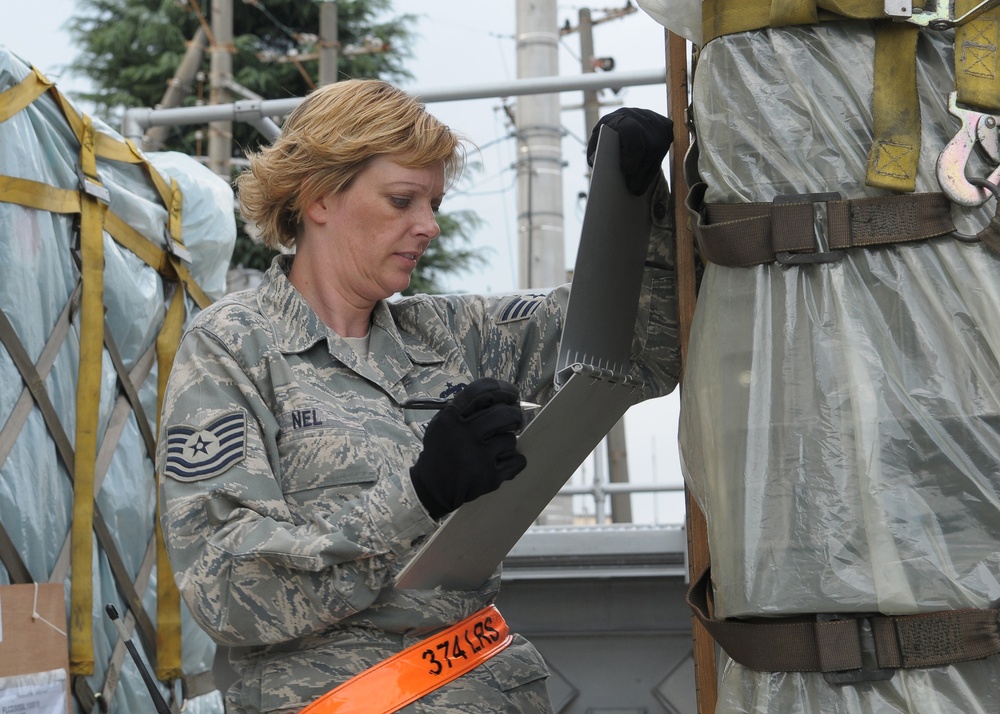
(419, 669)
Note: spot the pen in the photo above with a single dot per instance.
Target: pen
(442, 402)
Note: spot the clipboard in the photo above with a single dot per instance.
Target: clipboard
(594, 389)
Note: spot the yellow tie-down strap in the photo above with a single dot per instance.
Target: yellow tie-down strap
(44, 197)
(90, 202)
(977, 80)
(168, 598)
(895, 150)
(88, 398)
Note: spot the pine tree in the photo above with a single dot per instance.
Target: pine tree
(130, 50)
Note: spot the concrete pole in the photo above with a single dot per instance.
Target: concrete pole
(621, 503)
(220, 133)
(539, 164)
(329, 45)
(539, 173)
(591, 104)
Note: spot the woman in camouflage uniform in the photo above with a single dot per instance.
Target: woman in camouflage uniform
(295, 485)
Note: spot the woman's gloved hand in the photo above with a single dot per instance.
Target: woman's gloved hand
(469, 447)
(643, 138)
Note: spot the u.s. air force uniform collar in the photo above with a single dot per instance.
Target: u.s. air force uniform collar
(296, 328)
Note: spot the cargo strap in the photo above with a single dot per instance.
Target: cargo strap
(976, 103)
(977, 80)
(895, 149)
(89, 202)
(419, 669)
(168, 599)
(726, 17)
(841, 646)
(745, 234)
(35, 395)
(169, 263)
(94, 203)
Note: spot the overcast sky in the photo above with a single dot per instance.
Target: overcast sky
(463, 43)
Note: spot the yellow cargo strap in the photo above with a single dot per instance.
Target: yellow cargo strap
(727, 17)
(976, 103)
(39, 196)
(93, 203)
(977, 79)
(895, 150)
(90, 203)
(168, 601)
(166, 264)
(35, 396)
(17, 98)
(44, 197)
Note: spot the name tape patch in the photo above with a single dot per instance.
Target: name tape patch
(197, 454)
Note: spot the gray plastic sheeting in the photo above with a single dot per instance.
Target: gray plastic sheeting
(37, 275)
(840, 424)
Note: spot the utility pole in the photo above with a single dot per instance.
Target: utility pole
(539, 173)
(220, 133)
(328, 43)
(539, 163)
(591, 104)
(621, 503)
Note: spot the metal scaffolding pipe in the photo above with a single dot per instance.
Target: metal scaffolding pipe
(137, 120)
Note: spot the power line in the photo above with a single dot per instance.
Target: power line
(274, 21)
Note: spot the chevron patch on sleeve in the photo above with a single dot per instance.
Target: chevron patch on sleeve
(519, 308)
(197, 454)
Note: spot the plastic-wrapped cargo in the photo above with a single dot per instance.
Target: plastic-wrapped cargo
(840, 422)
(42, 238)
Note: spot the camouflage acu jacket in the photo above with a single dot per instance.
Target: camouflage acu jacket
(287, 505)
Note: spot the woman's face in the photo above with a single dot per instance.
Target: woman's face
(379, 226)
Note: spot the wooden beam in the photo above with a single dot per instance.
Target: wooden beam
(697, 527)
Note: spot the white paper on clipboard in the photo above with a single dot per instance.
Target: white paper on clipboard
(595, 391)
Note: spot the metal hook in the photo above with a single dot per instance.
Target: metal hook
(942, 17)
(992, 188)
(975, 12)
(955, 155)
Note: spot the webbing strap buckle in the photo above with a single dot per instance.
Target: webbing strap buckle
(91, 187)
(939, 17)
(176, 248)
(818, 255)
(869, 671)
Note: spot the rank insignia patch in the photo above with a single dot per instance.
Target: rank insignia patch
(520, 308)
(196, 454)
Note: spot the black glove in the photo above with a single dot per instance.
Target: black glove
(643, 137)
(469, 447)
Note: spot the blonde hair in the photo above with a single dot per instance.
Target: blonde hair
(328, 140)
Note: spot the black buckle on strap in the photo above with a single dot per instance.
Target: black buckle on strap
(817, 256)
(869, 670)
